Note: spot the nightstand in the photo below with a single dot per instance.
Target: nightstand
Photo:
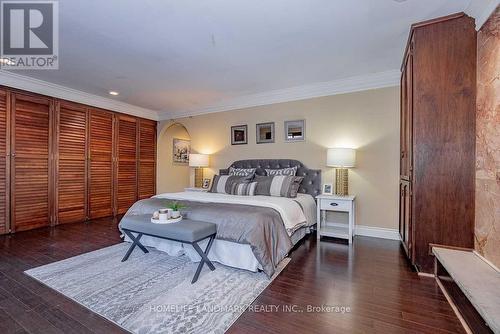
(203, 190)
(340, 204)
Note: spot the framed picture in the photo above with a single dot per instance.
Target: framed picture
(181, 150)
(295, 130)
(239, 135)
(265, 133)
(328, 189)
(206, 183)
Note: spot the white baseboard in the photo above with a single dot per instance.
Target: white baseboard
(377, 232)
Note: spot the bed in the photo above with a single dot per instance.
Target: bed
(253, 232)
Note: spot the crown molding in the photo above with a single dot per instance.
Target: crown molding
(481, 10)
(46, 88)
(319, 89)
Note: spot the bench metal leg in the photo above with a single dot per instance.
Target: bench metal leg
(204, 258)
(135, 242)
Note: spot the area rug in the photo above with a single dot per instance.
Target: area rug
(152, 293)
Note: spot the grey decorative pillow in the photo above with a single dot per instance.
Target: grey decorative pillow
(280, 185)
(241, 171)
(223, 184)
(289, 171)
(243, 188)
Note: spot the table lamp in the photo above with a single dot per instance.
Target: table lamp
(341, 159)
(199, 161)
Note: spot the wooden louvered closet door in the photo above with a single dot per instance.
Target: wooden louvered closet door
(4, 161)
(71, 205)
(126, 173)
(101, 164)
(31, 163)
(147, 159)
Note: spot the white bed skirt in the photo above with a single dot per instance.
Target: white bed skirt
(225, 252)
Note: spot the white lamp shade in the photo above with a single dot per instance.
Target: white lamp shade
(341, 157)
(198, 160)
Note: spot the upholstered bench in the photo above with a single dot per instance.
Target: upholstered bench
(186, 231)
(471, 283)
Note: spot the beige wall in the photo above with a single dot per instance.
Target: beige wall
(367, 121)
(170, 176)
(487, 225)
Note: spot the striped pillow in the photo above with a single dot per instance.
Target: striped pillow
(224, 183)
(242, 171)
(290, 171)
(279, 186)
(243, 189)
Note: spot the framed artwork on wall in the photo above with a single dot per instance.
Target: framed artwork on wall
(295, 130)
(181, 150)
(239, 135)
(265, 133)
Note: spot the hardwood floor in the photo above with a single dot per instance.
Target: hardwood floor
(372, 278)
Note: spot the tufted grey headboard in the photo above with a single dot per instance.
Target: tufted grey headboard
(312, 177)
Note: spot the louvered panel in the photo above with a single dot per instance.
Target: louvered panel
(72, 127)
(147, 140)
(127, 138)
(3, 163)
(147, 179)
(101, 135)
(127, 163)
(31, 130)
(71, 191)
(126, 185)
(100, 199)
(31, 193)
(30, 163)
(71, 164)
(101, 164)
(147, 159)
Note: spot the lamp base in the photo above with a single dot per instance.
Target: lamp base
(341, 181)
(198, 177)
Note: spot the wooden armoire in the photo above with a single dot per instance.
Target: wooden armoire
(64, 162)
(437, 166)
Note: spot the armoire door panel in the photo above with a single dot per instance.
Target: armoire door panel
(101, 164)
(30, 171)
(147, 159)
(402, 125)
(126, 186)
(4, 160)
(409, 117)
(72, 155)
(406, 119)
(438, 132)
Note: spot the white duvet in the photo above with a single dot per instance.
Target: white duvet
(292, 213)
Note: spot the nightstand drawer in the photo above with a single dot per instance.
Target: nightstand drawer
(335, 205)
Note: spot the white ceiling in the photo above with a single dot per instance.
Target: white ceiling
(181, 56)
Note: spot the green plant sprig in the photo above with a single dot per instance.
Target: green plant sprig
(176, 206)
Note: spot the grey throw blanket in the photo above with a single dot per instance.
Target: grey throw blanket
(261, 228)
